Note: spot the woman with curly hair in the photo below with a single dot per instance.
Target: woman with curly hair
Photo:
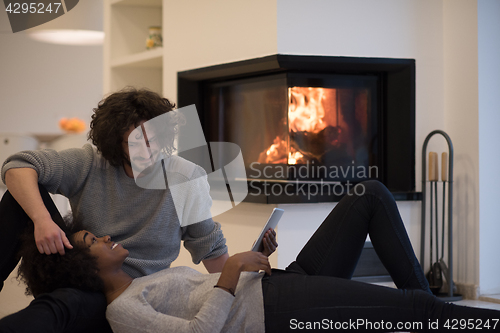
(44, 274)
(67, 298)
(311, 294)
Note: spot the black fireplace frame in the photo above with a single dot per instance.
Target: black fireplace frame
(397, 77)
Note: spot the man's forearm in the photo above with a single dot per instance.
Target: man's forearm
(215, 265)
(23, 185)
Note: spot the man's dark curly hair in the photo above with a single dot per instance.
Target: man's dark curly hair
(42, 273)
(116, 113)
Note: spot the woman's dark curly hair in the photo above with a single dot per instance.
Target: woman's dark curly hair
(116, 113)
(42, 273)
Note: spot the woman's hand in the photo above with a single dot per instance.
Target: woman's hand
(242, 262)
(250, 262)
(269, 242)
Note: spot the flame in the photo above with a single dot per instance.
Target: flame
(276, 152)
(310, 110)
(273, 149)
(305, 109)
(293, 157)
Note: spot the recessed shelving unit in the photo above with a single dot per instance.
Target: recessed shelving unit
(127, 62)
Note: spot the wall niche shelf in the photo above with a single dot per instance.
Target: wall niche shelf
(127, 62)
(149, 58)
(144, 3)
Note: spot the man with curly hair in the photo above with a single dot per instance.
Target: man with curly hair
(99, 183)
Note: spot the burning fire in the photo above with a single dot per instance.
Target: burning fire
(293, 157)
(327, 125)
(276, 154)
(305, 109)
(306, 115)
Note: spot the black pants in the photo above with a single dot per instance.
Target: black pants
(316, 292)
(64, 310)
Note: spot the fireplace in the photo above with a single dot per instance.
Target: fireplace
(327, 122)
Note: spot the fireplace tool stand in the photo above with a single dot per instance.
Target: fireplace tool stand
(439, 266)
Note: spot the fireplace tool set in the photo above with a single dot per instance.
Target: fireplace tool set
(438, 266)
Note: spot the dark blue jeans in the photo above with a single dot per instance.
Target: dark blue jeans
(64, 310)
(317, 286)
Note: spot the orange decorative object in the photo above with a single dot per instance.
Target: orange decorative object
(73, 125)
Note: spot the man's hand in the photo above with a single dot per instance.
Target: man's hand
(269, 242)
(23, 185)
(50, 238)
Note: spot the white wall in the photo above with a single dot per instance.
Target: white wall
(215, 32)
(461, 107)
(41, 83)
(488, 13)
(299, 222)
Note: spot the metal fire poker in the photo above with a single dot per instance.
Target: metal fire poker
(447, 270)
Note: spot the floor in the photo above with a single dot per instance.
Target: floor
(486, 302)
(479, 303)
(491, 301)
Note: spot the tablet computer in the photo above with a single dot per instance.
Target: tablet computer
(272, 222)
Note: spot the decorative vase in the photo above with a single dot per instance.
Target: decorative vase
(154, 39)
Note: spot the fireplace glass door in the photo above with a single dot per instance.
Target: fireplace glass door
(297, 126)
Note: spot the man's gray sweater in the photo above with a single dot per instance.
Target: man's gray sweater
(144, 221)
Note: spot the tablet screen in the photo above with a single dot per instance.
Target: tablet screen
(272, 222)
